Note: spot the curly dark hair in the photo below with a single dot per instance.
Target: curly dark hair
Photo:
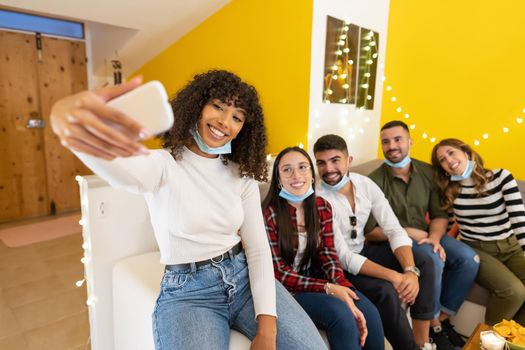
(249, 147)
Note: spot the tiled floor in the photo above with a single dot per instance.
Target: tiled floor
(40, 306)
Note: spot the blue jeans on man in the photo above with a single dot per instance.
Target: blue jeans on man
(453, 277)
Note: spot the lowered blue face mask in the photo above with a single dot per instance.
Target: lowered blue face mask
(293, 198)
(466, 174)
(224, 149)
(344, 180)
(400, 164)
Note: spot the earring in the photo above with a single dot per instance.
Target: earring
(279, 186)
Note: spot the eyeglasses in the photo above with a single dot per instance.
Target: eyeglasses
(353, 223)
(287, 171)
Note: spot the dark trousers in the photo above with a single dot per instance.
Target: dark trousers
(395, 323)
(334, 316)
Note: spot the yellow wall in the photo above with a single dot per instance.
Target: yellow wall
(457, 67)
(267, 43)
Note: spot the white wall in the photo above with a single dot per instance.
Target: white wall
(359, 128)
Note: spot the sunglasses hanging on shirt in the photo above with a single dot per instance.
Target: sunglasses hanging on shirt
(353, 223)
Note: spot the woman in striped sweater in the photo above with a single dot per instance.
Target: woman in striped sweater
(489, 211)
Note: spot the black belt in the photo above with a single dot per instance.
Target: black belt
(236, 249)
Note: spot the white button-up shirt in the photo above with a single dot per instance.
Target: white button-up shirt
(369, 199)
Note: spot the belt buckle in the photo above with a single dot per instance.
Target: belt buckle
(217, 262)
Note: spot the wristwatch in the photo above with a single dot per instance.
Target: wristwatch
(414, 270)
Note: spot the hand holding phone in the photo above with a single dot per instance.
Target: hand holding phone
(148, 104)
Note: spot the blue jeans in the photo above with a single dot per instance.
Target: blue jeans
(334, 316)
(197, 306)
(455, 276)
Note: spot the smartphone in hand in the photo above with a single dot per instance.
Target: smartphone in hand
(148, 104)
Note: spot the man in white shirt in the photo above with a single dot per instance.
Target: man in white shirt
(388, 275)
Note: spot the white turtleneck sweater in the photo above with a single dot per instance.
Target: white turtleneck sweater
(199, 208)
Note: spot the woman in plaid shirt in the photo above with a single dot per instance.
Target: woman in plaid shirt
(300, 231)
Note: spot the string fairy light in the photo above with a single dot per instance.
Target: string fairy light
(341, 71)
(432, 139)
(342, 54)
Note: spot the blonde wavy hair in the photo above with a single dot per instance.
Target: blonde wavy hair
(448, 189)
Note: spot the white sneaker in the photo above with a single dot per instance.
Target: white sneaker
(429, 346)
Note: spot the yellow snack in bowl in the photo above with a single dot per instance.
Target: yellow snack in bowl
(503, 328)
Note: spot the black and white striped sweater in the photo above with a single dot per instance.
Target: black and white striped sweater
(495, 215)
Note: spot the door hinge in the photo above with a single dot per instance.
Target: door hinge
(38, 42)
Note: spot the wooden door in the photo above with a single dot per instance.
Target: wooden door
(37, 175)
(62, 72)
(23, 188)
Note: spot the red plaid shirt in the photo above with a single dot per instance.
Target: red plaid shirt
(330, 264)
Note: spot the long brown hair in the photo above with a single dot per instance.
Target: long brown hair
(448, 189)
(284, 221)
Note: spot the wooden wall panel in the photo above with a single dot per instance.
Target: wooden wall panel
(62, 72)
(23, 191)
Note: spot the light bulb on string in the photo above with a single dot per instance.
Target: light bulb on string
(412, 126)
(80, 283)
(350, 62)
(346, 50)
(476, 142)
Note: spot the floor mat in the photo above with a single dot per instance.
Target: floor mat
(21, 235)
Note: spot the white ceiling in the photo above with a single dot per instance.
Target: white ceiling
(133, 31)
